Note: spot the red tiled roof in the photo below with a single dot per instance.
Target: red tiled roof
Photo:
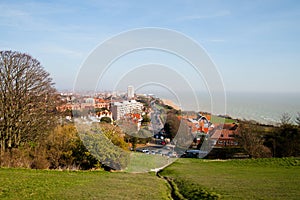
(223, 134)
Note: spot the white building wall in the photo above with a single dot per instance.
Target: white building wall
(130, 92)
(119, 109)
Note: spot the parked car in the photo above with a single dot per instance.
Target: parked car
(194, 153)
(145, 151)
(159, 152)
(172, 154)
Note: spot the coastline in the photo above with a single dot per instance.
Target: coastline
(265, 108)
(171, 103)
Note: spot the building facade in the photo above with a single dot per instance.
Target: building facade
(120, 109)
(130, 92)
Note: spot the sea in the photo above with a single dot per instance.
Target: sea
(266, 108)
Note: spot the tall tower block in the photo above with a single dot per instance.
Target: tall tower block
(130, 92)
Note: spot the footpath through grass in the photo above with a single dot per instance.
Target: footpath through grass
(237, 179)
(44, 184)
(193, 178)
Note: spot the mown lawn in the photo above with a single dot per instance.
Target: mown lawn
(238, 179)
(45, 184)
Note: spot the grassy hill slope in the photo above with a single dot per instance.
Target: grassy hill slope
(44, 184)
(231, 179)
(237, 179)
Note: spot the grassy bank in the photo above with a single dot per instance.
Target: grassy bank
(237, 179)
(43, 184)
(192, 178)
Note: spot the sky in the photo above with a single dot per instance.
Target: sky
(255, 44)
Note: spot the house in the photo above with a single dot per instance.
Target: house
(104, 113)
(69, 106)
(224, 136)
(101, 103)
(200, 124)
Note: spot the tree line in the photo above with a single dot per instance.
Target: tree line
(271, 141)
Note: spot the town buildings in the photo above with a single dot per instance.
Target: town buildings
(120, 109)
(199, 125)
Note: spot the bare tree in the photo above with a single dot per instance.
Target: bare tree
(27, 100)
(298, 119)
(285, 119)
(250, 138)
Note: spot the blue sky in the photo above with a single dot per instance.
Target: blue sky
(254, 44)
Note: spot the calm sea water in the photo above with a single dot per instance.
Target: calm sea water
(265, 108)
(262, 107)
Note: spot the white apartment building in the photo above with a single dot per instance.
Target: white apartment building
(120, 109)
(130, 92)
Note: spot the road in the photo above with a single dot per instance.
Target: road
(157, 149)
(156, 122)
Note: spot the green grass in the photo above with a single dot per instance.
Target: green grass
(44, 184)
(219, 120)
(232, 179)
(140, 162)
(238, 179)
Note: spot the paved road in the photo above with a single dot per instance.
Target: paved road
(156, 122)
(157, 149)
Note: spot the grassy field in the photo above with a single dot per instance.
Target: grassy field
(237, 179)
(43, 184)
(140, 162)
(219, 120)
(232, 179)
